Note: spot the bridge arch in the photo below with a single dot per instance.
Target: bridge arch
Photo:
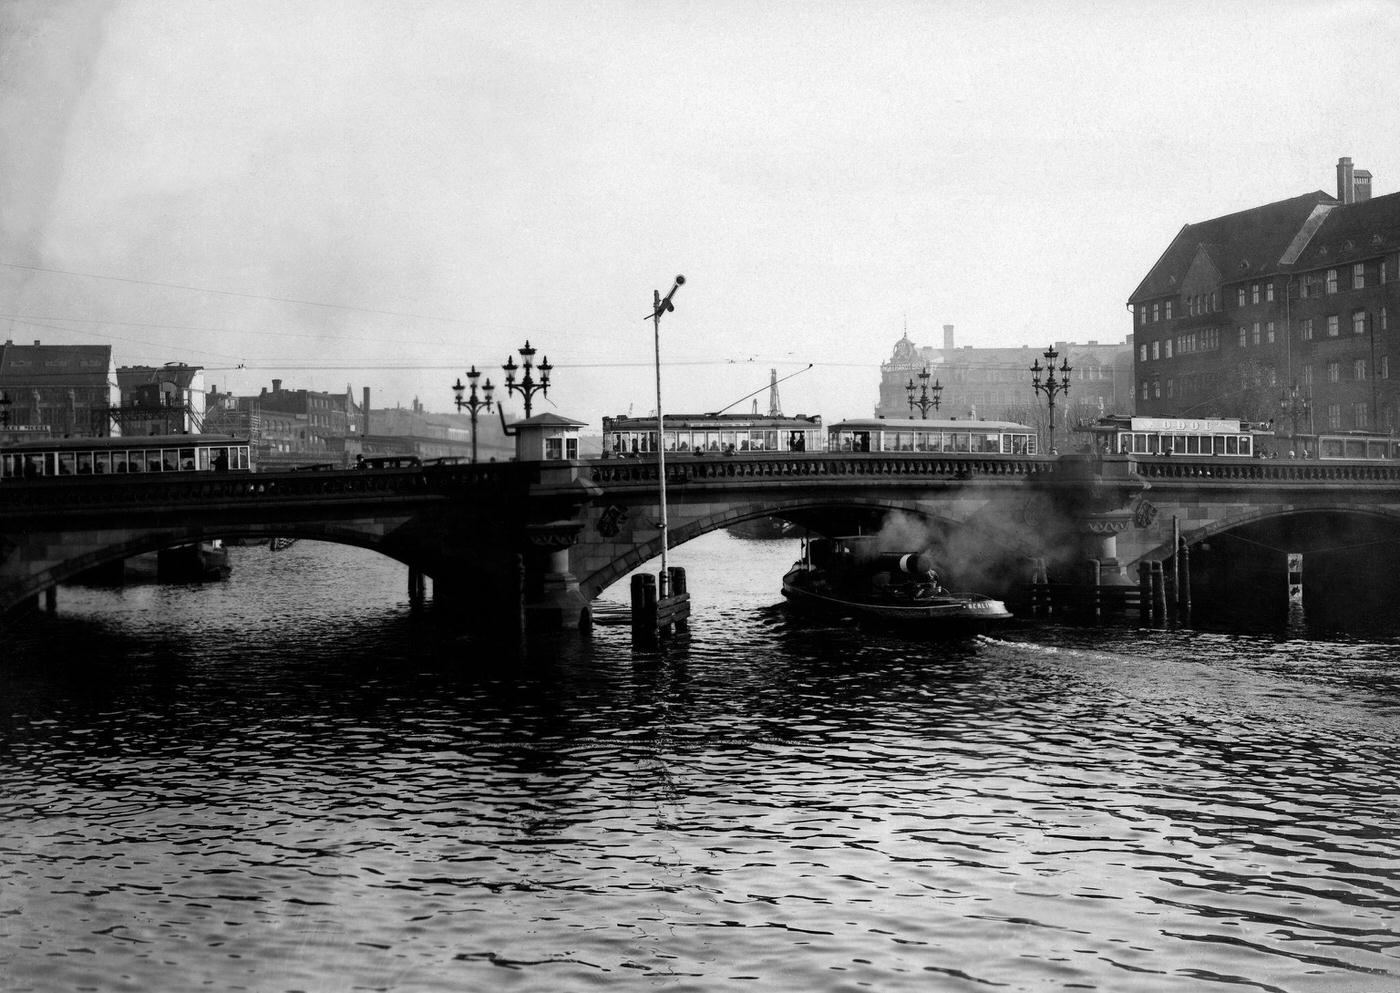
(130, 544)
(844, 514)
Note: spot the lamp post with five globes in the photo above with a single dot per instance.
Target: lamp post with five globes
(1051, 386)
(528, 385)
(474, 403)
(928, 395)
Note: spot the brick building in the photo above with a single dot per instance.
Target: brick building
(1280, 313)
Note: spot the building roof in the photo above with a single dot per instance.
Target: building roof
(56, 366)
(1247, 243)
(183, 376)
(547, 420)
(1354, 231)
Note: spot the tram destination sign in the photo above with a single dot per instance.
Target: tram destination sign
(1186, 425)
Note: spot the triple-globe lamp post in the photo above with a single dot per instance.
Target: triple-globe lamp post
(928, 395)
(1051, 386)
(473, 403)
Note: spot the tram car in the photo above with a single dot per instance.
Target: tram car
(65, 457)
(712, 434)
(1353, 446)
(932, 437)
(1194, 436)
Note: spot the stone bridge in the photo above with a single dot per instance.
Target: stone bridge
(534, 542)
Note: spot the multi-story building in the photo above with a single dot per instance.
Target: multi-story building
(1279, 313)
(57, 389)
(995, 383)
(166, 399)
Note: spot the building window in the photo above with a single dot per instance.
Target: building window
(1244, 336)
(1360, 415)
(1358, 276)
(1167, 346)
(1334, 372)
(1142, 314)
(1358, 322)
(1156, 389)
(1384, 365)
(1156, 313)
(1307, 375)
(1156, 350)
(1144, 389)
(1380, 270)
(1142, 352)
(1333, 327)
(1214, 301)
(1334, 416)
(1256, 337)
(1358, 368)
(1254, 293)
(1269, 330)
(1385, 324)
(1171, 388)
(1269, 292)
(1169, 310)
(1240, 298)
(1331, 280)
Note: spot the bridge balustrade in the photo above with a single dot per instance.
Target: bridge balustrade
(65, 493)
(1266, 470)
(683, 470)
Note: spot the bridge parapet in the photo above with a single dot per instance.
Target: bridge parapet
(1281, 471)
(682, 469)
(66, 495)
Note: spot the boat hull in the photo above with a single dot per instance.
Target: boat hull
(954, 611)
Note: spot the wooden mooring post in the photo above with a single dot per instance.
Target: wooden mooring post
(655, 617)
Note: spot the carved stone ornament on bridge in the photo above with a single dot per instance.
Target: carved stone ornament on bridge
(1144, 513)
(1112, 523)
(556, 534)
(610, 523)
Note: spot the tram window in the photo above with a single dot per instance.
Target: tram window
(860, 441)
(770, 440)
(961, 441)
(67, 463)
(84, 464)
(187, 458)
(1232, 445)
(33, 466)
(1246, 445)
(102, 463)
(201, 459)
(119, 462)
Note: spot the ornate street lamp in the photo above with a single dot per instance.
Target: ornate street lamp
(928, 395)
(1051, 386)
(528, 385)
(473, 403)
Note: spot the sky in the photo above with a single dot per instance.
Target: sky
(383, 194)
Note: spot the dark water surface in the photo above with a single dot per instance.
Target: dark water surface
(290, 781)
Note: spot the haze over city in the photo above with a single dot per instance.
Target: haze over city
(384, 194)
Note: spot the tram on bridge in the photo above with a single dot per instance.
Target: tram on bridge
(1226, 437)
(712, 434)
(55, 457)
(881, 434)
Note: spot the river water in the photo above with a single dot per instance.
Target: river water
(293, 781)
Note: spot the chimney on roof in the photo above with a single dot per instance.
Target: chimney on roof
(947, 337)
(365, 429)
(277, 386)
(1361, 185)
(36, 341)
(1346, 181)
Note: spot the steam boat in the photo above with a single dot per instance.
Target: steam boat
(854, 575)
